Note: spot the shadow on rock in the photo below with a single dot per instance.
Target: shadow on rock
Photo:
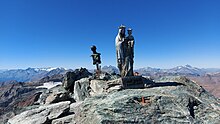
(165, 84)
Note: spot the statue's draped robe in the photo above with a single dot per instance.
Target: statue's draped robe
(119, 50)
(125, 54)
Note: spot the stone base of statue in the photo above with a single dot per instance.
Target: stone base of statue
(136, 82)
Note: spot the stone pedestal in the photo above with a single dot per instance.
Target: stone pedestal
(132, 82)
(135, 82)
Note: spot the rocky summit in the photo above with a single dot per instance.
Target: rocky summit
(115, 100)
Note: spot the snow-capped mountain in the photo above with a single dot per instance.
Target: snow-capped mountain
(187, 69)
(179, 70)
(44, 69)
(29, 74)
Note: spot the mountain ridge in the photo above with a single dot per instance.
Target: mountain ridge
(32, 74)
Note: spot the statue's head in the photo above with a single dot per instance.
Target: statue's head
(93, 48)
(129, 31)
(121, 30)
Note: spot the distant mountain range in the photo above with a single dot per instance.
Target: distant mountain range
(33, 74)
(186, 70)
(29, 74)
(110, 69)
(179, 70)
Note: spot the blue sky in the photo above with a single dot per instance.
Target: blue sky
(59, 33)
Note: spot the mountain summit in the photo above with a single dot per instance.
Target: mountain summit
(115, 100)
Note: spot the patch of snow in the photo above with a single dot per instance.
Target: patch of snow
(50, 85)
(45, 69)
(179, 67)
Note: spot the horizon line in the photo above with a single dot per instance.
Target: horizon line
(107, 65)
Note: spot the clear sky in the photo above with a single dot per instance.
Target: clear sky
(59, 33)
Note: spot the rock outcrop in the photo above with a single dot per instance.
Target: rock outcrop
(71, 77)
(171, 100)
(21, 96)
(81, 89)
(57, 94)
(42, 115)
(168, 100)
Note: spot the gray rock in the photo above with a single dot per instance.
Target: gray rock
(81, 89)
(41, 115)
(71, 77)
(74, 107)
(101, 86)
(113, 85)
(104, 76)
(174, 100)
(55, 95)
(97, 87)
(64, 120)
(168, 100)
(58, 94)
(135, 82)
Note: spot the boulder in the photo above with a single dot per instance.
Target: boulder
(57, 97)
(74, 107)
(41, 115)
(57, 94)
(101, 86)
(81, 89)
(64, 120)
(113, 85)
(97, 87)
(71, 77)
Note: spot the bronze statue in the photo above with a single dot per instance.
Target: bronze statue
(125, 52)
(119, 40)
(129, 54)
(96, 59)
